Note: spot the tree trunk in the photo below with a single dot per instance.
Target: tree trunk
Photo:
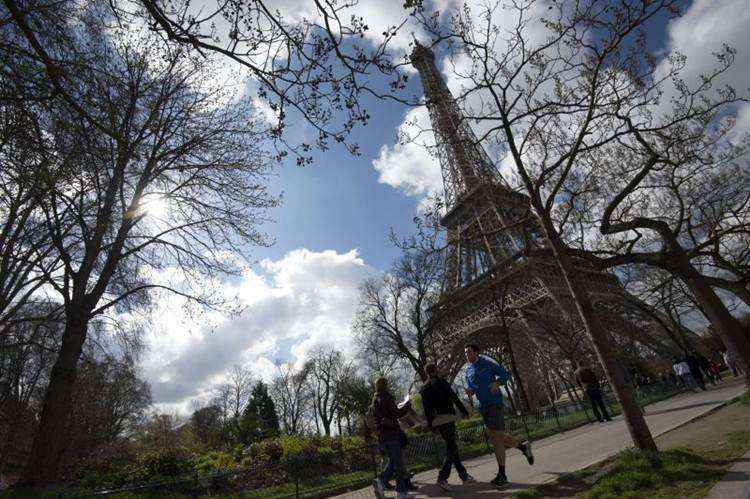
(636, 423)
(729, 329)
(516, 374)
(52, 436)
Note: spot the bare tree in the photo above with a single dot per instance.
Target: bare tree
(180, 185)
(292, 396)
(393, 320)
(549, 89)
(311, 69)
(236, 391)
(26, 174)
(703, 201)
(326, 371)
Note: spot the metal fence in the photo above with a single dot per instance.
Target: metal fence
(352, 468)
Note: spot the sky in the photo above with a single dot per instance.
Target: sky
(331, 231)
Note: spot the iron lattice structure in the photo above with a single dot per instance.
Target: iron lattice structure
(491, 287)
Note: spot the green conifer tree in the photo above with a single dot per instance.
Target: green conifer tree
(259, 419)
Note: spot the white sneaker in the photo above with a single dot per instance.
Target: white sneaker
(443, 484)
(379, 488)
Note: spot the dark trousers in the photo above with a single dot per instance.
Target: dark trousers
(448, 432)
(395, 465)
(597, 404)
(698, 375)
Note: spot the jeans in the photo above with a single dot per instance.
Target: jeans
(689, 381)
(448, 432)
(395, 464)
(597, 404)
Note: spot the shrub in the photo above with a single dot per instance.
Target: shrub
(165, 462)
(272, 449)
(215, 462)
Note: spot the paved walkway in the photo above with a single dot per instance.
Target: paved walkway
(736, 483)
(571, 450)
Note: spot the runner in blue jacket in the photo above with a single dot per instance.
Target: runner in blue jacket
(484, 377)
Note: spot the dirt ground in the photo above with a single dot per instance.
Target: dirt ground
(712, 434)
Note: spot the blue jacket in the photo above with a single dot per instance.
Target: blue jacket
(479, 377)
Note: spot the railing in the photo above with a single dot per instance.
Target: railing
(348, 469)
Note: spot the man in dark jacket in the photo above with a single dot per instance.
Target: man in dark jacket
(590, 382)
(439, 400)
(695, 369)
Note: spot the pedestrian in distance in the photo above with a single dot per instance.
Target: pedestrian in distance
(484, 377)
(440, 403)
(682, 370)
(590, 382)
(695, 369)
(385, 414)
(705, 367)
(715, 370)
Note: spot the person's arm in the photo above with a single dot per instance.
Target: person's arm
(456, 400)
(399, 413)
(498, 370)
(470, 389)
(429, 409)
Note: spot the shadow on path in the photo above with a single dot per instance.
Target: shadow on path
(683, 407)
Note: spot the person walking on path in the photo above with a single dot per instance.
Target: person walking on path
(682, 370)
(484, 377)
(705, 367)
(695, 369)
(439, 399)
(586, 377)
(715, 370)
(391, 438)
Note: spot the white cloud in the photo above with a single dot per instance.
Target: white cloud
(701, 31)
(292, 304)
(408, 165)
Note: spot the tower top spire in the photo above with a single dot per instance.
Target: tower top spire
(463, 161)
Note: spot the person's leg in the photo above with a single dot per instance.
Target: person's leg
(599, 400)
(452, 456)
(498, 444)
(591, 394)
(389, 469)
(402, 474)
(395, 465)
(699, 379)
(445, 469)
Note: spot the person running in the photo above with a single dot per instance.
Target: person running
(484, 377)
(439, 399)
(590, 382)
(682, 370)
(385, 414)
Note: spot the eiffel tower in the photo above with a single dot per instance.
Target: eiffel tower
(490, 280)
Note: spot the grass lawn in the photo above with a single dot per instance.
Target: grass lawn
(693, 458)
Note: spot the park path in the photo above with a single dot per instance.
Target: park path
(571, 450)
